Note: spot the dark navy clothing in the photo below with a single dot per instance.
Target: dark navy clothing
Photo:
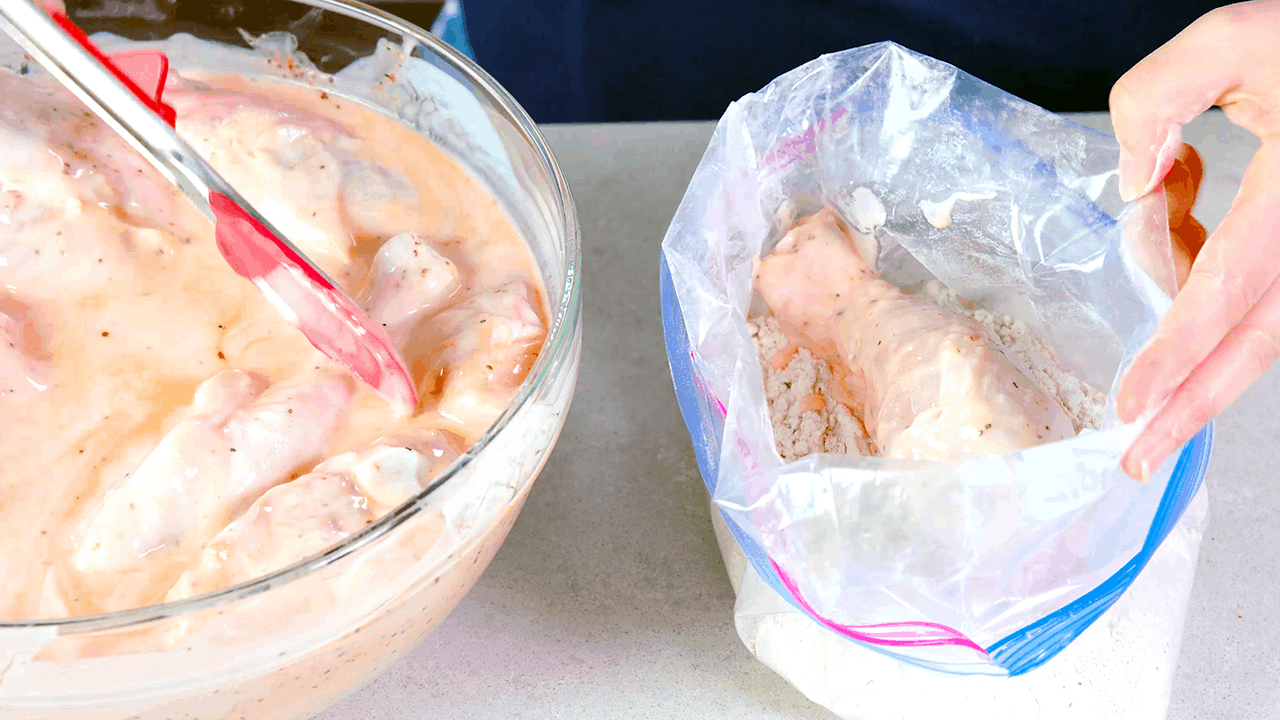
(619, 60)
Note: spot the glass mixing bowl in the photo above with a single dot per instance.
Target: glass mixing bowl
(291, 643)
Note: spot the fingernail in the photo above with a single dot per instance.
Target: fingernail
(1127, 408)
(1146, 454)
(1166, 148)
(1170, 148)
(1136, 466)
(1128, 170)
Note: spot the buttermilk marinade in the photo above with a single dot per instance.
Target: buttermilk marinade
(163, 431)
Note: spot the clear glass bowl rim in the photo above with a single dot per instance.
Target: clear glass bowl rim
(557, 350)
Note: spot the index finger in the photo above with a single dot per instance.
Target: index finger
(1204, 65)
(1237, 265)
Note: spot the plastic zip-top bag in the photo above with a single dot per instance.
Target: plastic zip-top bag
(987, 565)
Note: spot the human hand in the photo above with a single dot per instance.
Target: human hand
(1223, 330)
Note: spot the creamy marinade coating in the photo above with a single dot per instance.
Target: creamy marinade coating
(163, 432)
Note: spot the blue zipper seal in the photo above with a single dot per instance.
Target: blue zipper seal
(1019, 652)
(1032, 646)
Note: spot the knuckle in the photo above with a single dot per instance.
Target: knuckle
(1200, 408)
(1223, 21)
(1203, 284)
(1241, 292)
(1235, 291)
(1125, 93)
(1218, 23)
(1261, 347)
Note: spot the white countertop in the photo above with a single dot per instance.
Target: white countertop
(609, 599)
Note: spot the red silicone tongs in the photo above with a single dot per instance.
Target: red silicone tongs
(125, 90)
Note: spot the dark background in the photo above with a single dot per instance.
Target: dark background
(635, 60)
(606, 60)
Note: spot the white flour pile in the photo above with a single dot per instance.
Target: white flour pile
(807, 419)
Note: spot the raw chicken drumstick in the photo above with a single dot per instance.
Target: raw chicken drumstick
(337, 499)
(241, 438)
(927, 383)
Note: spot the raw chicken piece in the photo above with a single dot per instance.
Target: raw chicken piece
(303, 172)
(288, 169)
(301, 518)
(927, 383)
(241, 437)
(471, 357)
(399, 466)
(42, 186)
(408, 281)
(288, 523)
(378, 202)
(67, 181)
(51, 151)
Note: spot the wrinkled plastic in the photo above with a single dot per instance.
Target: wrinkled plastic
(993, 564)
(1120, 668)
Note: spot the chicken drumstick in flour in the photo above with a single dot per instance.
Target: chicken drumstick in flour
(927, 383)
